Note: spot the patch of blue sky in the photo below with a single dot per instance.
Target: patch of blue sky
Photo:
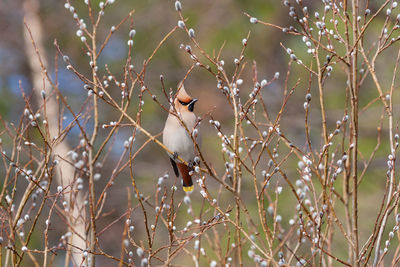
(75, 130)
(16, 81)
(69, 82)
(115, 50)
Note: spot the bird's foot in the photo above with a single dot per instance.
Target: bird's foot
(191, 165)
(175, 155)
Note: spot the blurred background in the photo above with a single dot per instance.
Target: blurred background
(216, 23)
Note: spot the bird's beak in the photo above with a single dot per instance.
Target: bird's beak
(191, 105)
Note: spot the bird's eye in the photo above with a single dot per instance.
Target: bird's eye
(184, 103)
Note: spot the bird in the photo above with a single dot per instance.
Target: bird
(177, 139)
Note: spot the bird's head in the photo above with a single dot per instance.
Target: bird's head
(183, 102)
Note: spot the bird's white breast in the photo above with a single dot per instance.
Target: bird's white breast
(177, 139)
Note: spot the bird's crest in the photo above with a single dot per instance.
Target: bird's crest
(182, 95)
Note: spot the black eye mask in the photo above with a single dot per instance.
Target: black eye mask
(190, 104)
(184, 103)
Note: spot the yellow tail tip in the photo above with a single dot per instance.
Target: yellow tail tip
(188, 188)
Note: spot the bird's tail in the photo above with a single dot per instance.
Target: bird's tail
(186, 178)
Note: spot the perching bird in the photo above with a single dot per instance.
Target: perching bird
(178, 140)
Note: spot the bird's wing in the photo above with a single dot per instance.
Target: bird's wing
(173, 163)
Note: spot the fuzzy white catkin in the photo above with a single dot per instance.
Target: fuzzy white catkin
(139, 251)
(132, 33)
(253, 20)
(178, 6)
(196, 244)
(191, 33)
(264, 83)
(181, 24)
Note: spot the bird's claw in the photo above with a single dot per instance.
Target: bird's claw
(175, 155)
(191, 165)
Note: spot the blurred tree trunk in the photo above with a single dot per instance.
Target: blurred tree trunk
(65, 171)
